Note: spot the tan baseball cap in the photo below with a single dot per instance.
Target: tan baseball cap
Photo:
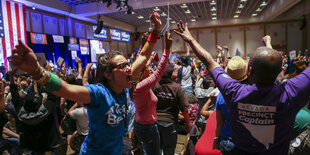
(237, 68)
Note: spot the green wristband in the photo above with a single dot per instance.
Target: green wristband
(53, 84)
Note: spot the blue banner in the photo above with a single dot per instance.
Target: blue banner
(125, 36)
(103, 33)
(115, 34)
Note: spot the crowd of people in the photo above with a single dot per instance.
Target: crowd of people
(121, 107)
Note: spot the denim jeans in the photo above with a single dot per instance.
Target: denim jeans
(188, 89)
(10, 144)
(168, 136)
(149, 136)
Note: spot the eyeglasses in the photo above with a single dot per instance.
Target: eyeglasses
(122, 66)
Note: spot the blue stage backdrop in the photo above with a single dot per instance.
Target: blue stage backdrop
(60, 50)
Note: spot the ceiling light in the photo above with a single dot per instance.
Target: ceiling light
(240, 6)
(156, 9)
(236, 16)
(213, 9)
(243, 0)
(263, 4)
(238, 11)
(187, 12)
(140, 17)
(169, 18)
(193, 20)
(173, 21)
(163, 14)
(184, 6)
(213, 3)
(147, 21)
(213, 18)
(254, 14)
(33, 8)
(213, 14)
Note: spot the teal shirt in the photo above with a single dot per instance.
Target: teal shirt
(302, 120)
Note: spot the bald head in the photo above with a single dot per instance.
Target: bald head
(264, 66)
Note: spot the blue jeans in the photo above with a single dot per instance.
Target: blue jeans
(10, 144)
(188, 89)
(149, 136)
(168, 136)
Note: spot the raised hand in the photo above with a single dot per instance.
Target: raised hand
(168, 40)
(78, 60)
(267, 41)
(225, 47)
(219, 47)
(184, 32)
(155, 19)
(24, 58)
(89, 65)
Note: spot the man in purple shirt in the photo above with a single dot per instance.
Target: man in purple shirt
(262, 114)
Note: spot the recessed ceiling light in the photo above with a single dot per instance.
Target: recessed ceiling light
(258, 9)
(243, 0)
(147, 21)
(254, 14)
(140, 17)
(213, 3)
(213, 9)
(193, 20)
(33, 8)
(213, 14)
(240, 6)
(187, 12)
(238, 11)
(132, 13)
(236, 16)
(263, 4)
(173, 21)
(163, 14)
(156, 9)
(169, 18)
(183, 6)
(213, 18)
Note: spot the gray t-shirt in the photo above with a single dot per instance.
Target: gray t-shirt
(81, 117)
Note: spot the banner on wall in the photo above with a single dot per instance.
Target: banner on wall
(103, 33)
(125, 36)
(115, 34)
(37, 38)
(84, 47)
(58, 39)
(73, 47)
(72, 40)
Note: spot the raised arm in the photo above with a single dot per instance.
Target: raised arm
(201, 53)
(146, 51)
(79, 62)
(86, 72)
(150, 82)
(24, 59)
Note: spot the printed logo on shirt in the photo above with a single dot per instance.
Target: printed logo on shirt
(226, 76)
(259, 120)
(165, 95)
(116, 114)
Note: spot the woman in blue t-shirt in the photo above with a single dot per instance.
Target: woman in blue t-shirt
(108, 101)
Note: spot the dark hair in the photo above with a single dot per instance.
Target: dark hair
(184, 61)
(71, 79)
(105, 66)
(168, 71)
